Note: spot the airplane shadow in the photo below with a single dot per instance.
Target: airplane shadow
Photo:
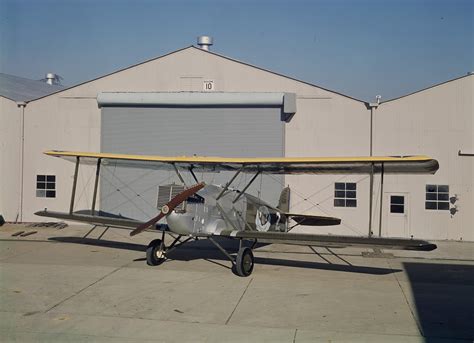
(443, 298)
(204, 249)
(100, 243)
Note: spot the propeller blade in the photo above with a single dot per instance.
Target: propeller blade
(169, 207)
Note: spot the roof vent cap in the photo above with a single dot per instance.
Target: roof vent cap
(52, 79)
(205, 42)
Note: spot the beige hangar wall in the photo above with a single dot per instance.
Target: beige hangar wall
(336, 126)
(438, 122)
(326, 124)
(10, 152)
(74, 119)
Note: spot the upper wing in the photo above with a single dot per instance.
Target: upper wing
(330, 240)
(269, 165)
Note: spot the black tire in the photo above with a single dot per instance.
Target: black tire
(244, 263)
(155, 252)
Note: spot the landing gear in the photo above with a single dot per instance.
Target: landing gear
(244, 262)
(155, 252)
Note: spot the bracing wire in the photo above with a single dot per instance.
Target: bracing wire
(318, 205)
(83, 188)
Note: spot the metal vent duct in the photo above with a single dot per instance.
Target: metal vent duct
(52, 79)
(205, 42)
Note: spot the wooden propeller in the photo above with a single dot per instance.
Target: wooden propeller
(169, 207)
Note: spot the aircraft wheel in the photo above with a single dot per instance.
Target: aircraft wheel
(155, 252)
(244, 262)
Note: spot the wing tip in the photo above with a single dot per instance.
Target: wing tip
(424, 246)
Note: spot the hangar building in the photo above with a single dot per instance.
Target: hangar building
(194, 101)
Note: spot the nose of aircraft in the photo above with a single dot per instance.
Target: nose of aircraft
(180, 223)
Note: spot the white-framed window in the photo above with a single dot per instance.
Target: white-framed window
(437, 197)
(397, 204)
(345, 194)
(46, 186)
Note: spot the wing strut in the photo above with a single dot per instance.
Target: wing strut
(371, 198)
(229, 183)
(192, 173)
(74, 184)
(382, 171)
(96, 184)
(179, 175)
(245, 188)
(381, 200)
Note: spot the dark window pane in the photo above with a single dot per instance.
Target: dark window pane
(443, 196)
(41, 193)
(431, 196)
(443, 205)
(339, 203)
(40, 185)
(431, 188)
(351, 194)
(397, 209)
(50, 194)
(340, 185)
(430, 205)
(40, 177)
(340, 194)
(397, 199)
(443, 189)
(351, 186)
(50, 185)
(351, 203)
(51, 178)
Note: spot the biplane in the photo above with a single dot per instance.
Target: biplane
(207, 211)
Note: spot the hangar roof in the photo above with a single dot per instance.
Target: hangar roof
(20, 89)
(470, 74)
(211, 53)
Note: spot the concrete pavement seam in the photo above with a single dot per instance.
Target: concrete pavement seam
(238, 302)
(84, 288)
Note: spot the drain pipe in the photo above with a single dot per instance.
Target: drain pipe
(373, 107)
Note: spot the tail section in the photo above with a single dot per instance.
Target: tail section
(284, 202)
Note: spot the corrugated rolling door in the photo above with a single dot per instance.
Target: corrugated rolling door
(171, 131)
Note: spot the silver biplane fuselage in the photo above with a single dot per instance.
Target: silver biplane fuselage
(234, 211)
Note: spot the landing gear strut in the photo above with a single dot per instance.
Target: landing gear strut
(244, 262)
(157, 250)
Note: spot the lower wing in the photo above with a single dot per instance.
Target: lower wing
(102, 219)
(332, 240)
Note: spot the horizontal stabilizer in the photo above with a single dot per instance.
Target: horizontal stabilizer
(310, 220)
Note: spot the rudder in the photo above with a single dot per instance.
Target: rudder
(284, 202)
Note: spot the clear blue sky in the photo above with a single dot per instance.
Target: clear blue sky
(359, 48)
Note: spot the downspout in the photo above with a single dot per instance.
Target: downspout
(22, 105)
(372, 107)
